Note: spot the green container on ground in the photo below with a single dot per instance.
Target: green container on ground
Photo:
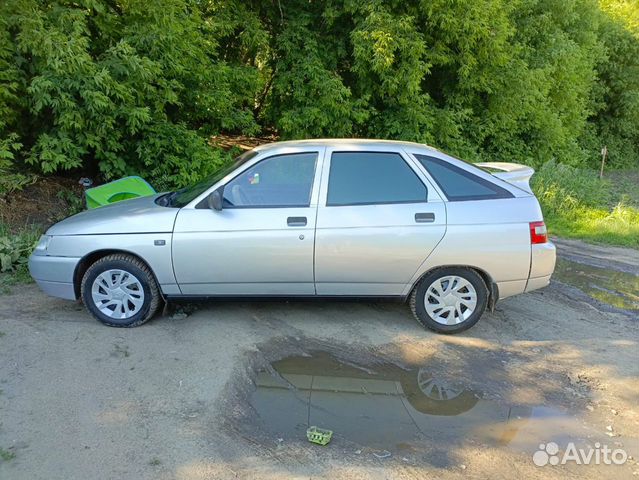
(319, 435)
(118, 190)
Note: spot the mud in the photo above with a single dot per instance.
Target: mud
(227, 390)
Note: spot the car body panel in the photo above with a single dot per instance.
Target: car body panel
(69, 250)
(373, 249)
(543, 259)
(355, 250)
(138, 215)
(542, 264)
(248, 251)
(234, 251)
(537, 283)
(54, 274)
(490, 235)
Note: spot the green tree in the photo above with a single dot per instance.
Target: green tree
(110, 84)
(129, 86)
(616, 121)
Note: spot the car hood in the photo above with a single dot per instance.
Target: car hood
(139, 215)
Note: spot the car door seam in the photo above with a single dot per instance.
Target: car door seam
(319, 194)
(172, 262)
(411, 283)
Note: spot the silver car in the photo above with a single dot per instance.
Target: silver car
(312, 218)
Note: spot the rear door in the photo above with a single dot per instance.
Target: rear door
(377, 222)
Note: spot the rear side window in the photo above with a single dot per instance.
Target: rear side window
(459, 184)
(367, 178)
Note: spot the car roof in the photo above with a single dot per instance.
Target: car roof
(332, 142)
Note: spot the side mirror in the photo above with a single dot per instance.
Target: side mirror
(215, 199)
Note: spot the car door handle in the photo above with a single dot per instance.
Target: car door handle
(427, 217)
(296, 221)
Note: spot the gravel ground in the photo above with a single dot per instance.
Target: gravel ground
(172, 399)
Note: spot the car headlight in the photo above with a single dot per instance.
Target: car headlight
(42, 245)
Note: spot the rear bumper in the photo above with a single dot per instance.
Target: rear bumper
(542, 265)
(538, 282)
(54, 275)
(542, 260)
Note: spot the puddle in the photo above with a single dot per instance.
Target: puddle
(619, 289)
(388, 408)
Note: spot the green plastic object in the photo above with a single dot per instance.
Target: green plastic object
(118, 190)
(319, 435)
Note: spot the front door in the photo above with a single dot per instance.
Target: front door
(261, 242)
(377, 223)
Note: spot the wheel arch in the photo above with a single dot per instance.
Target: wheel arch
(92, 257)
(491, 285)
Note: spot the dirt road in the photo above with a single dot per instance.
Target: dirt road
(228, 390)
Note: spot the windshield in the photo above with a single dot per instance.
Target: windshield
(184, 196)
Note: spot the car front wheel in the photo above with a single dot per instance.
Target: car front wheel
(449, 300)
(119, 290)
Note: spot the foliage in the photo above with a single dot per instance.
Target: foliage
(7, 455)
(576, 203)
(10, 180)
(110, 83)
(617, 118)
(134, 87)
(75, 202)
(15, 249)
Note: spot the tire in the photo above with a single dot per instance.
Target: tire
(463, 317)
(120, 290)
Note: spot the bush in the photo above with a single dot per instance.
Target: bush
(575, 203)
(138, 87)
(562, 188)
(127, 88)
(15, 250)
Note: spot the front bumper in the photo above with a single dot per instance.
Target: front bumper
(54, 275)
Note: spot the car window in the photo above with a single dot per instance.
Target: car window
(277, 181)
(459, 184)
(185, 195)
(365, 178)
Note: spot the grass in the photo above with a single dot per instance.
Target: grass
(577, 204)
(15, 249)
(6, 455)
(625, 184)
(120, 350)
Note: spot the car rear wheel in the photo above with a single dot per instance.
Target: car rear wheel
(449, 300)
(119, 290)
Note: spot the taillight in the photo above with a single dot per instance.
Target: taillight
(538, 233)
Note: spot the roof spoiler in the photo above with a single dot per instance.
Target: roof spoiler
(513, 173)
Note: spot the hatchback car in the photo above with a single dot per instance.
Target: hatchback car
(312, 218)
